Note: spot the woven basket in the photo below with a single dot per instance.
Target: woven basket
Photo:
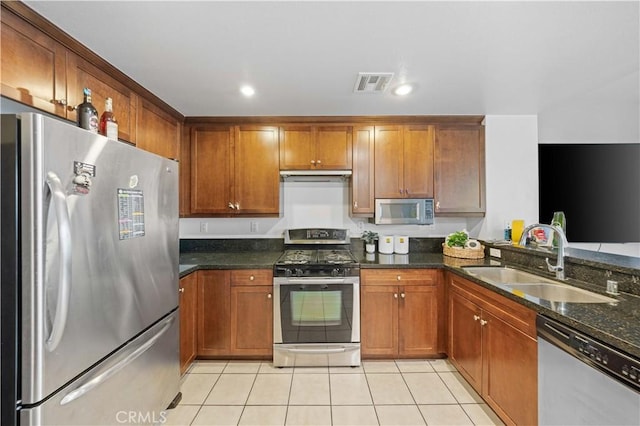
(463, 252)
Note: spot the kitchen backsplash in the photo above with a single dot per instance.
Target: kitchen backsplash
(315, 204)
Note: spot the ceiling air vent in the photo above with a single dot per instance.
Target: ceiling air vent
(372, 82)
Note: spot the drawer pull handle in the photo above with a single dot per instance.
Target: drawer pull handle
(476, 317)
(251, 278)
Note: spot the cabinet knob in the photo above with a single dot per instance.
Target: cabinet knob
(402, 295)
(231, 205)
(355, 204)
(400, 191)
(313, 161)
(71, 108)
(269, 296)
(437, 205)
(398, 278)
(395, 295)
(318, 162)
(476, 317)
(59, 101)
(483, 322)
(237, 206)
(251, 278)
(181, 290)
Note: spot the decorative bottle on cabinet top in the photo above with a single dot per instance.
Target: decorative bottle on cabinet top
(87, 114)
(108, 122)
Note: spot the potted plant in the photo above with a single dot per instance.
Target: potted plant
(370, 238)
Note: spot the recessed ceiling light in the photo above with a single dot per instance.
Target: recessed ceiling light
(403, 89)
(247, 91)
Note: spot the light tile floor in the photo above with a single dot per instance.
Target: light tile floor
(401, 392)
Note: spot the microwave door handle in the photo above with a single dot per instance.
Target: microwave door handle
(59, 201)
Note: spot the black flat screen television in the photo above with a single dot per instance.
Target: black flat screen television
(597, 186)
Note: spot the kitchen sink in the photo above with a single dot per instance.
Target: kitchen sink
(502, 275)
(559, 293)
(526, 284)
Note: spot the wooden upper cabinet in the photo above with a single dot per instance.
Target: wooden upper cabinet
(389, 156)
(234, 170)
(304, 147)
(157, 131)
(404, 161)
(81, 74)
(362, 195)
(256, 177)
(418, 161)
(45, 68)
(211, 169)
(459, 170)
(33, 66)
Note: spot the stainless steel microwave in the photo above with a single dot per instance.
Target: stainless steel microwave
(409, 211)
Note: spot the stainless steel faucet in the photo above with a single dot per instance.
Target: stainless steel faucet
(558, 268)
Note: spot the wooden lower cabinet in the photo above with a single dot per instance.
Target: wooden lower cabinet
(235, 313)
(400, 313)
(492, 343)
(188, 305)
(252, 313)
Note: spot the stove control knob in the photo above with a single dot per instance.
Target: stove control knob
(335, 272)
(299, 272)
(287, 272)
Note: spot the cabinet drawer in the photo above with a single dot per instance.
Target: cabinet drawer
(251, 277)
(399, 276)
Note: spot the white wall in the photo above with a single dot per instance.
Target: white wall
(511, 153)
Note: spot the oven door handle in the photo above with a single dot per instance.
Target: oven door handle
(319, 350)
(315, 281)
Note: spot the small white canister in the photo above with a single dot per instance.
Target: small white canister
(401, 244)
(385, 244)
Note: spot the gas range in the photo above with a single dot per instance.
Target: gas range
(300, 260)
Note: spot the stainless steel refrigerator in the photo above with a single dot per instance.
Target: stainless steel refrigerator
(89, 299)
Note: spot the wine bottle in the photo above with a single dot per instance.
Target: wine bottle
(108, 122)
(87, 114)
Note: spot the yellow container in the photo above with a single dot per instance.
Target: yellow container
(517, 226)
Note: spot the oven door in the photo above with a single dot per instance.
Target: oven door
(316, 310)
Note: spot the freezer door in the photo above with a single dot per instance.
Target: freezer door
(133, 386)
(99, 249)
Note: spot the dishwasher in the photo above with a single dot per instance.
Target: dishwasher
(582, 381)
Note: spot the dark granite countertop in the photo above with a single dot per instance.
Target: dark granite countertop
(615, 324)
(230, 260)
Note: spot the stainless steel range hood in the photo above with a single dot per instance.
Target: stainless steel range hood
(315, 175)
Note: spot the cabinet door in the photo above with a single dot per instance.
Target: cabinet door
(418, 321)
(211, 170)
(418, 161)
(389, 162)
(297, 148)
(459, 170)
(81, 74)
(465, 338)
(33, 66)
(214, 320)
(379, 325)
(188, 319)
(510, 371)
(157, 131)
(362, 196)
(256, 183)
(333, 147)
(252, 320)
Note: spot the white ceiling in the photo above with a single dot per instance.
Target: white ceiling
(574, 64)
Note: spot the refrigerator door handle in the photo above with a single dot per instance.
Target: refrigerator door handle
(102, 375)
(59, 200)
